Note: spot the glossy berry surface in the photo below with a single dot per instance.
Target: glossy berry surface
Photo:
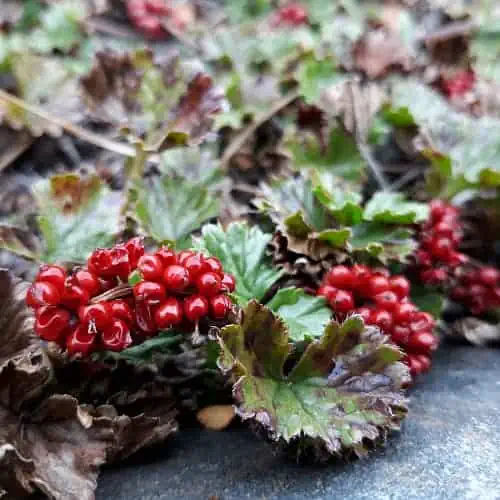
(126, 295)
(382, 300)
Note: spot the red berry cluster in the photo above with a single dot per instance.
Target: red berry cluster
(459, 84)
(382, 300)
(146, 15)
(478, 289)
(293, 14)
(82, 312)
(438, 256)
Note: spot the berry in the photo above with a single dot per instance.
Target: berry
(167, 256)
(88, 281)
(116, 337)
(424, 361)
(80, 342)
(110, 263)
(195, 265)
(220, 305)
(341, 301)
(95, 316)
(135, 250)
(228, 283)
(382, 319)
(341, 277)
(442, 248)
(400, 286)
(151, 267)
(488, 276)
(121, 310)
(195, 308)
(208, 284)
(144, 317)
(422, 342)
(400, 334)
(42, 293)
(150, 292)
(157, 7)
(377, 284)
(51, 323)
(214, 265)
(415, 365)
(183, 256)
(386, 300)
(364, 312)
(168, 313)
(327, 292)
(176, 278)
(404, 312)
(56, 275)
(293, 14)
(459, 84)
(74, 296)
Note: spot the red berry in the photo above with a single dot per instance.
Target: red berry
(400, 286)
(185, 254)
(95, 316)
(195, 307)
(386, 300)
(404, 312)
(195, 265)
(144, 317)
(228, 283)
(74, 296)
(415, 366)
(342, 301)
(438, 209)
(208, 284)
(423, 258)
(150, 292)
(151, 267)
(442, 248)
(52, 274)
(158, 7)
(213, 264)
(107, 284)
(422, 342)
(121, 310)
(116, 337)
(424, 360)
(382, 319)
(167, 256)
(110, 263)
(376, 285)
(364, 312)
(136, 8)
(41, 294)
(168, 313)
(327, 292)
(340, 277)
(150, 26)
(220, 305)
(176, 278)
(433, 276)
(400, 334)
(489, 276)
(80, 342)
(51, 323)
(135, 250)
(88, 281)
(459, 293)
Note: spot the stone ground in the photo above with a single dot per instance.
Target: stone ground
(449, 448)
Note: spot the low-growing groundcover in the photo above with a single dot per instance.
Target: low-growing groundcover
(264, 211)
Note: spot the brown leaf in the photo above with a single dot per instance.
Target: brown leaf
(378, 52)
(216, 417)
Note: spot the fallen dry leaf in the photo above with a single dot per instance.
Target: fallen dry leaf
(217, 417)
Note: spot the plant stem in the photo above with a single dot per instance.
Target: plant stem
(119, 291)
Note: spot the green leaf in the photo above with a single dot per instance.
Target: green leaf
(345, 389)
(341, 157)
(469, 145)
(76, 216)
(305, 315)
(171, 208)
(344, 205)
(315, 76)
(382, 241)
(240, 11)
(427, 299)
(242, 252)
(392, 208)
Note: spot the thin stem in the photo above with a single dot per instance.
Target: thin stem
(374, 166)
(241, 138)
(97, 140)
(123, 290)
